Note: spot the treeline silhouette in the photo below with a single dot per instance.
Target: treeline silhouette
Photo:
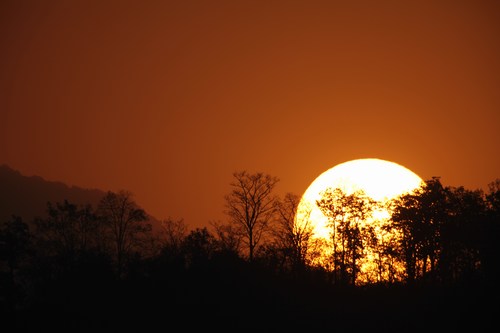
(107, 268)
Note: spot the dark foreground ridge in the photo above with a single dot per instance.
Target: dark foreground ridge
(236, 301)
(106, 268)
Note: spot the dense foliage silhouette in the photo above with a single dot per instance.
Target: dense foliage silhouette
(85, 269)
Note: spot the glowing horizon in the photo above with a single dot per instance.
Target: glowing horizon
(380, 180)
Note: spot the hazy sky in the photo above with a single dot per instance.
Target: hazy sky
(168, 98)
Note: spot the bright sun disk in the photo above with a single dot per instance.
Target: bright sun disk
(380, 180)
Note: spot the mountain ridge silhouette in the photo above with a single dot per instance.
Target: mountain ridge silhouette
(27, 196)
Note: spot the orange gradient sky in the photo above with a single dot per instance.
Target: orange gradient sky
(168, 98)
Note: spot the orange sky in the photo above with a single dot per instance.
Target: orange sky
(168, 98)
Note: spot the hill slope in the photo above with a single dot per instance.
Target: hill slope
(27, 197)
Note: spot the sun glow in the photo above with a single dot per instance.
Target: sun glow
(379, 179)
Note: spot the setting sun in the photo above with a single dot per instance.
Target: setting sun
(378, 179)
(381, 180)
(295, 165)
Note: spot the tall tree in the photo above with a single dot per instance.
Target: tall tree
(15, 242)
(460, 241)
(69, 230)
(172, 234)
(294, 231)
(199, 247)
(490, 233)
(126, 223)
(228, 239)
(419, 217)
(346, 214)
(251, 206)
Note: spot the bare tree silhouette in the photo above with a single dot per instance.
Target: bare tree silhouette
(125, 222)
(228, 238)
(293, 232)
(251, 206)
(69, 230)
